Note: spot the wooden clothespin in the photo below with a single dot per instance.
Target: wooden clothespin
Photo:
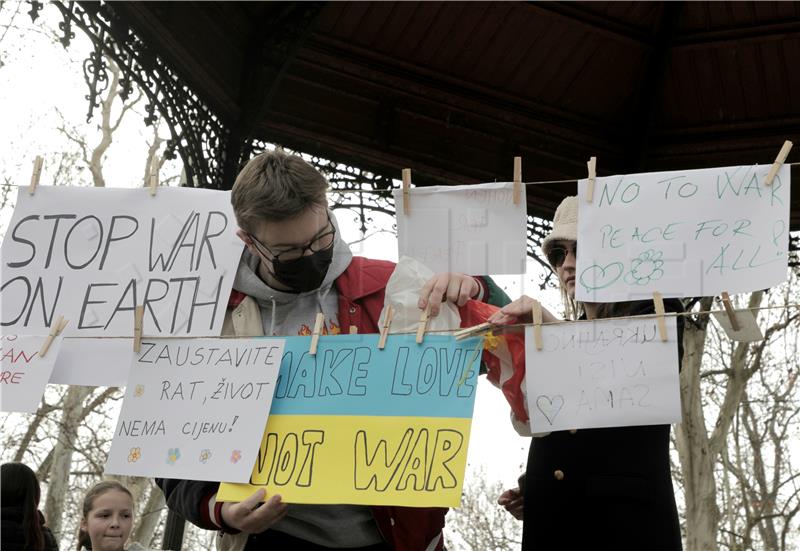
(318, 323)
(592, 166)
(462, 334)
(354, 330)
(138, 325)
(536, 311)
(387, 321)
(779, 160)
(55, 330)
(153, 179)
(658, 301)
(423, 323)
(726, 303)
(517, 180)
(406, 191)
(38, 163)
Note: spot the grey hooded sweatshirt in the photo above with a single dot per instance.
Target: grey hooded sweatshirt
(287, 314)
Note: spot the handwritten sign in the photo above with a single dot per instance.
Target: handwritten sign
(608, 373)
(682, 233)
(473, 229)
(23, 373)
(93, 254)
(359, 425)
(195, 408)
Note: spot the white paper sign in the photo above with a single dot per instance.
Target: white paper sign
(107, 364)
(196, 408)
(748, 331)
(468, 229)
(608, 373)
(93, 254)
(23, 373)
(682, 233)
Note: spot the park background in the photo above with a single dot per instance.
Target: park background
(751, 415)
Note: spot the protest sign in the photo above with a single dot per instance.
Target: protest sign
(358, 425)
(94, 254)
(23, 373)
(195, 408)
(475, 229)
(682, 233)
(605, 373)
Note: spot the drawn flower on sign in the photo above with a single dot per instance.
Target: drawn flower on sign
(205, 455)
(134, 455)
(173, 454)
(645, 268)
(138, 391)
(236, 455)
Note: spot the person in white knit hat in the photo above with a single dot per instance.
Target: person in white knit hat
(607, 488)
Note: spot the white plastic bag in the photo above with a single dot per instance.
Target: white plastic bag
(402, 292)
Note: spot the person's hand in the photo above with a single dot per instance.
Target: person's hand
(251, 515)
(513, 501)
(519, 311)
(455, 288)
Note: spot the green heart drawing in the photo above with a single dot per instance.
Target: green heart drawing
(600, 277)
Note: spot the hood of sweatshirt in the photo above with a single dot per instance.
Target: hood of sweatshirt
(285, 310)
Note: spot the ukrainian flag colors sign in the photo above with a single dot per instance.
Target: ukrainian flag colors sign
(359, 425)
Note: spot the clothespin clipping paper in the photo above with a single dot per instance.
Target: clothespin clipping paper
(592, 167)
(658, 301)
(138, 324)
(779, 160)
(312, 349)
(536, 312)
(731, 313)
(406, 191)
(423, 323)
(354, 330)
(55, 330)
(36, 175)
(517, 180)
(387, 322)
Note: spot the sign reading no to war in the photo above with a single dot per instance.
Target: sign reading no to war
(359, 425)
(94, 254)
(682, 233)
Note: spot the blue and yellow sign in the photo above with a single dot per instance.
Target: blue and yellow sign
(355, 424)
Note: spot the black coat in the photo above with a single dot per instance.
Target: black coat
(607, 488)
(12, 537)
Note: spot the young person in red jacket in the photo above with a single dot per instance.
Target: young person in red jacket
(295, 266)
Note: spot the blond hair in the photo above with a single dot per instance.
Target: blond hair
(275, 186)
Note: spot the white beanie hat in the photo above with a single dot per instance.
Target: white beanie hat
(565, 223)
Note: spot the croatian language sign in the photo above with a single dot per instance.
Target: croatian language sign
(195, 408)
(607, 373)
(682, 233)
(475, 229)
(23, 373)
(93, 254)
(359, 425)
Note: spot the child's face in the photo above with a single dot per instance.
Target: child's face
(110, 520)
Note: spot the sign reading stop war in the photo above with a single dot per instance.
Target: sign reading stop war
(682, 233)
(94, 254)
(355, 424)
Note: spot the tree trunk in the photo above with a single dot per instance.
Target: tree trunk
(697, 461)
(58, 474)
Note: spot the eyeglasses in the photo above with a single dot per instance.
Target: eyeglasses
(558, 254)
(321, 242)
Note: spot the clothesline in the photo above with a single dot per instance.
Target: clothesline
(391, 190)
(502, 328)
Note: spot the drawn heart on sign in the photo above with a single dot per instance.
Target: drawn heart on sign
(550, 406)
(600, 277)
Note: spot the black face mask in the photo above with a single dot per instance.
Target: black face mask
(305, 273)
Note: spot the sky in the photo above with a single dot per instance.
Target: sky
(43, 90)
